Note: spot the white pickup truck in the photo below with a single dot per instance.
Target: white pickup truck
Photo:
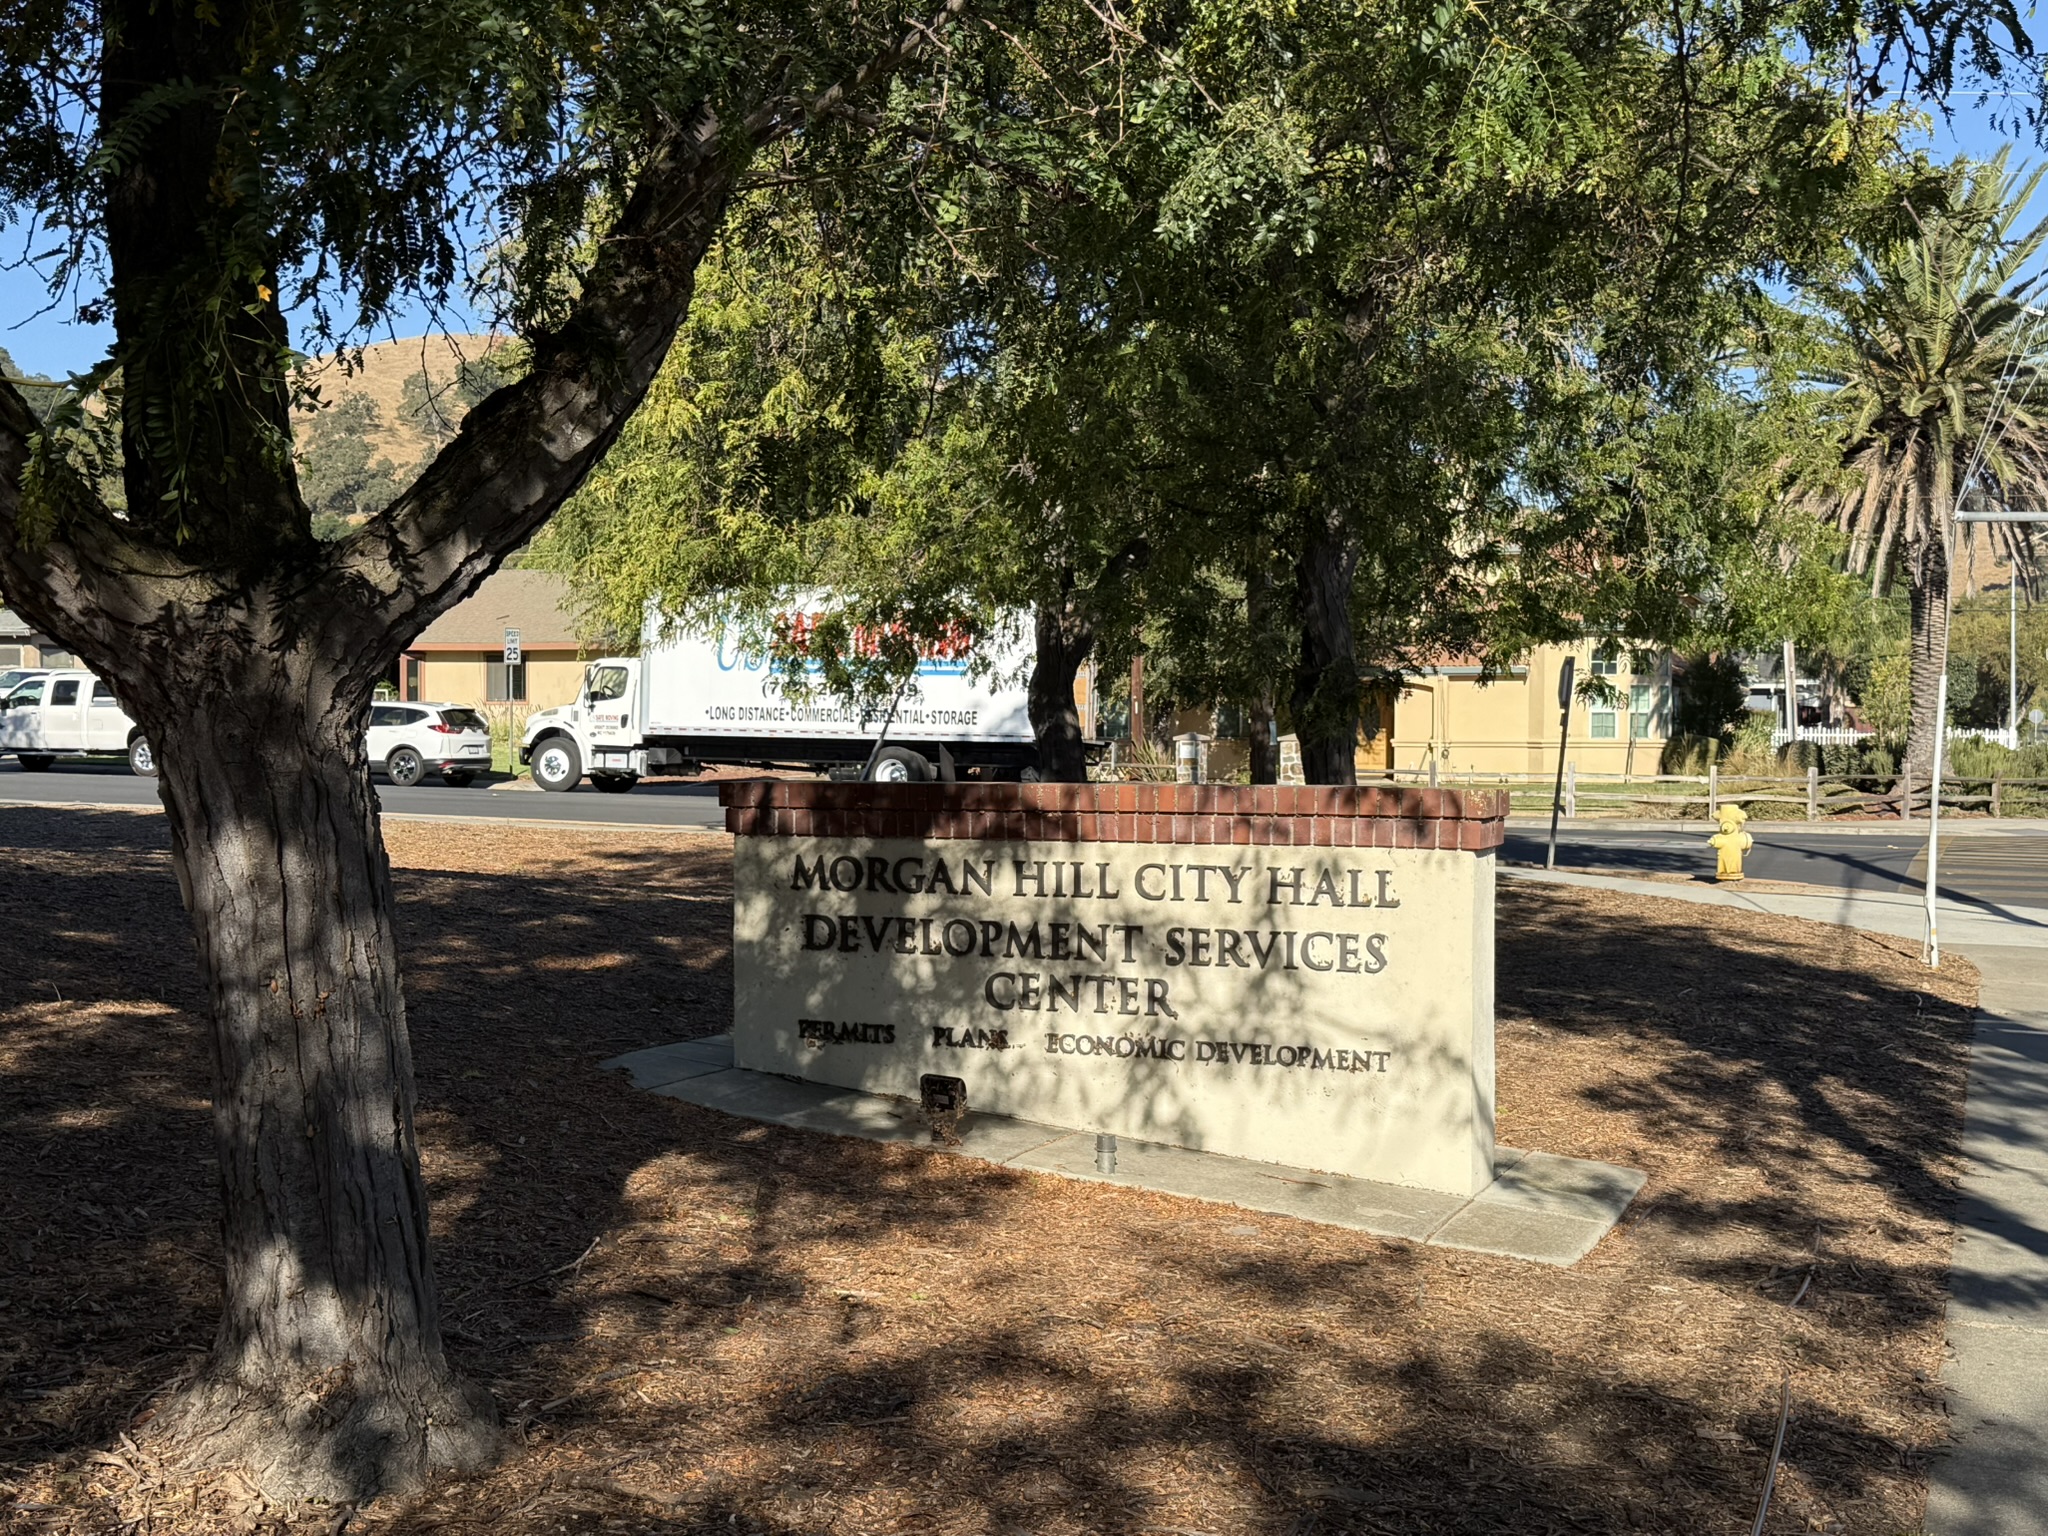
(69, 714)
(691, 700)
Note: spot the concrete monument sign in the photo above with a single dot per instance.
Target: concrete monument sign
(1301, 976)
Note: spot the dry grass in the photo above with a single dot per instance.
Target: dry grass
(383, 369)
(781, 1333)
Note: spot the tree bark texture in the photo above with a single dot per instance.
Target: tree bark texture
(328, 1375)
(1326, 688)
(1064, 626)
(1264, 614)
(1264, 754)
(1927, 560)
(1064, 638)
(1929, 654)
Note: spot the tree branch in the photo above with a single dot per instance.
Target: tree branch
(525, 449)
(87, 581)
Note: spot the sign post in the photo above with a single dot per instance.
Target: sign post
(1564, 730)
(511, 647)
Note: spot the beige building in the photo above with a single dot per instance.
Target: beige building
(1509, 724)
(460, 659)
(1466, 723)
(22, 646)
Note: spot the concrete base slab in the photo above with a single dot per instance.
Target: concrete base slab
(1545, 1184)
(1544, 1207)
(1540, 1207)
(672, 1063)
(1541, 1237)
(1391, 1210)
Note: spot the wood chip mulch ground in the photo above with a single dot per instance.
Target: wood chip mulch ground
(693, 1324)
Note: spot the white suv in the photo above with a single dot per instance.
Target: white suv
(404, 741)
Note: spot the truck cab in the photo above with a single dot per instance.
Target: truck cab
(599, 733)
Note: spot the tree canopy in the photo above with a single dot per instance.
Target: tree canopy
(1325, 362)
(1929, 367)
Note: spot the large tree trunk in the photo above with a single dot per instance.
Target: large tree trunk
(1326, 694)
(1263, 616)
(1064, 639)
(1927, 562)
(328, 1377)
(1929, 643)
(1265, 744)
(1065, 633)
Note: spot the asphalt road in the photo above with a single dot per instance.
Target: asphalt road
(647, 805)
(1979, 864)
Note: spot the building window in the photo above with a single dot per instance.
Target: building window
(1641, 708)
(1603, 725)
(10, 656)
(54, 658)
(411, 690)
(1607, 660)
(503, 684)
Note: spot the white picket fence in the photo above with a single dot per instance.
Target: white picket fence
(1849, 736)
(1821, 735)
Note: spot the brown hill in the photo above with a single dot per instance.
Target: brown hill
(380, 372)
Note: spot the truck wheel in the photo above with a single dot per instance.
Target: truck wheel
(613, 783)
(405, 768)
(900, 765)
(141, 759)
(557, 765)
(35, 762)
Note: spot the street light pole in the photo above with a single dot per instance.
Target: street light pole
(1933, 950)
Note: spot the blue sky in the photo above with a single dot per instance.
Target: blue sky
(49, 341)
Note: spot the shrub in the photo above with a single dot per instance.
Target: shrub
(1689, 754)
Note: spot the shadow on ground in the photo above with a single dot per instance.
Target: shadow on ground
(695, 1324)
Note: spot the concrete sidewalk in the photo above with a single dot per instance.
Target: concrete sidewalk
(1965, 925)
(1994, 1479)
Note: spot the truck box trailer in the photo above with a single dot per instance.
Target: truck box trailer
(697, 698)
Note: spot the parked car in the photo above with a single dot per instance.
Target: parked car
(69, 714)
(407, 741)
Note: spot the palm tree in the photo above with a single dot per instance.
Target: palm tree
(1937, 366)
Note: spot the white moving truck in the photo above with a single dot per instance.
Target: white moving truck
(690, 699)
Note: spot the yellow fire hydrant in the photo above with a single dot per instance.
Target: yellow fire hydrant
(1730, 843)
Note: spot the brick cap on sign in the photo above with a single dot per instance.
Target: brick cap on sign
(1257, 815)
